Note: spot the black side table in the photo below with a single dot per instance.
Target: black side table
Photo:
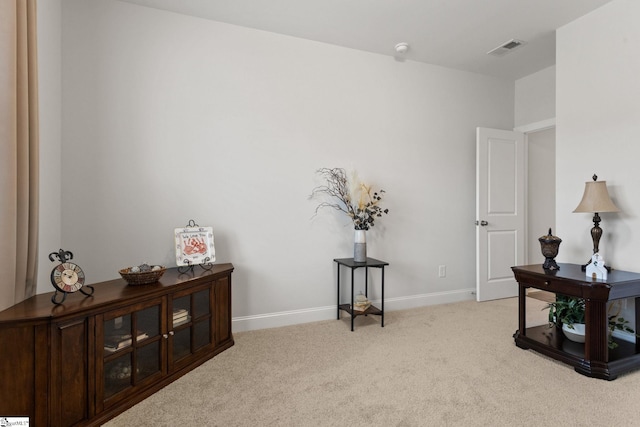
(350, 263)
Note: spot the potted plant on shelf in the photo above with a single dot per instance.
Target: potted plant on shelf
(569, 314)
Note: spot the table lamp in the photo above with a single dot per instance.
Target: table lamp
(595, 200)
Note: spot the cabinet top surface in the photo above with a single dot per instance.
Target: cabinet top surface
(40, 307)
(574, 273)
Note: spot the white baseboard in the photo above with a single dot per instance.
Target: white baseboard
(626, 336)
(294, 317)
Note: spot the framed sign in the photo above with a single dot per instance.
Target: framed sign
(194, 245)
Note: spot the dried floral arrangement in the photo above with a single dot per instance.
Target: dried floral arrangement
(352, 197)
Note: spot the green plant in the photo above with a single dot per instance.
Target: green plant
(566, 310)
(620, 324)
(571, 310)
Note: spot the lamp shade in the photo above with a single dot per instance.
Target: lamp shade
(596, 198)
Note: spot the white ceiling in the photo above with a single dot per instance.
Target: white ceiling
(451, 33)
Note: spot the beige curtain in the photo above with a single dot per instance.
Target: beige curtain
(18, 151)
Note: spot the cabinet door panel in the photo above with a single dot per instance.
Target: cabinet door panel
(117, 375)
(181, 310)
(117, 333)
(132, 347)
(201, 334)
(22, 365)
(202, 303)
(147, 322)
(222, 310)
(69, 388)
(181, 344)
(191, 329)
(149, 361)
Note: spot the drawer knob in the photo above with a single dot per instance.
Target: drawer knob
(546, 283)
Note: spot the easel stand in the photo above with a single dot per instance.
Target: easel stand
(189, 268)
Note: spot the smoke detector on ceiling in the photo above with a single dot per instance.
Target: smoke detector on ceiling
(402, 48)
(506, 47)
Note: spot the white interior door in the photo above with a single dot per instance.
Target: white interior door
(500, 211)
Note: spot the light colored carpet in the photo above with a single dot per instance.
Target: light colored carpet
(446, 365)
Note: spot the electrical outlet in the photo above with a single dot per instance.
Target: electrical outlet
(442, 271)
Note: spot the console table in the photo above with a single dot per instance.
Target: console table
(593, 358)
(353, 265)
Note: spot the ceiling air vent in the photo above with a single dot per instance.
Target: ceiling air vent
(507, 47)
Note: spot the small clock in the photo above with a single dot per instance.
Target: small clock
(67, 277)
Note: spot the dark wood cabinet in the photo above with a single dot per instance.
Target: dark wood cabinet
(90, 358)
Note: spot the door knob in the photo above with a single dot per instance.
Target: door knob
(482, 223)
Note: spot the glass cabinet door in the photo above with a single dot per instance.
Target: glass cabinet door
(191, 317)
(132, 347)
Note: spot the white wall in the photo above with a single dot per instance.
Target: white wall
(535, 99)
(50, 113)
(168, 118)
(535, 115)
(598, 116)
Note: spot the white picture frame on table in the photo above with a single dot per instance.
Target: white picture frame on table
(194, 245)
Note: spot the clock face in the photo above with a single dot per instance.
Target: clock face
(67, 277)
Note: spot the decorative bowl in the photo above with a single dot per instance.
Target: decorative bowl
(576, 334)
(142, 277)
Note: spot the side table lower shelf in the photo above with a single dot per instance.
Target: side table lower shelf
(552, 343)
(355, 313)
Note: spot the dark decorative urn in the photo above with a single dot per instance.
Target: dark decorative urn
(550, 245)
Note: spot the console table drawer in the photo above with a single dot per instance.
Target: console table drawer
(550, 285)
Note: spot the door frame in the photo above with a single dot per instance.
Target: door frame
(526, 130)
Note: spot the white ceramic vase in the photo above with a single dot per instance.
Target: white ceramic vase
(360, 246)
